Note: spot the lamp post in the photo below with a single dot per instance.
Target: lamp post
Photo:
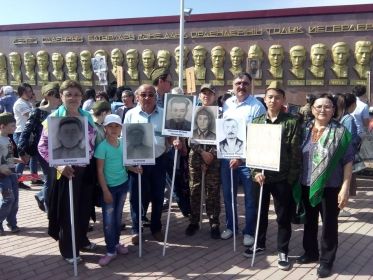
(183, 12)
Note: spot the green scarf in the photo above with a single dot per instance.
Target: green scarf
(330, 148)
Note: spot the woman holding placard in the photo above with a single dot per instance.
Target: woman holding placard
(59, 211)
(324, 183)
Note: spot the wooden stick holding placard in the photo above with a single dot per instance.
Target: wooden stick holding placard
(140, 214)
(119, 76)
(190, 80)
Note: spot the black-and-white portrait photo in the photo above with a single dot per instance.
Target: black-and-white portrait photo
(68, 140)
(254, 67)
(178, 118)
(99, 64)
(231, 137)
(204, 131)
(139, 143)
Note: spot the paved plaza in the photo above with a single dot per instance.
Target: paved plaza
(32, 254)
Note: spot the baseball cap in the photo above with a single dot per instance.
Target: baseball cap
(210, 87)
(112, 118)
(276, 85)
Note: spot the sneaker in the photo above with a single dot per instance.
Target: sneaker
(283, 261)
(23, 186)
(191, 229)
(158, 236)
(226, 234)
(40, 203)
(135, 239)
(344, 213)
(13, 229)
(250, 252)
(215, 232)
(248, 240)
(121, 249)
(91, 247)
(105, 260)
(71, 260)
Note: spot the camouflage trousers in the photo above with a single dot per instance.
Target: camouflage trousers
(212, 188)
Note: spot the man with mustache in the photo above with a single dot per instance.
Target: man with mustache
(231, 144)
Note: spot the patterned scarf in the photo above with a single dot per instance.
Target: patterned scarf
(327, 152)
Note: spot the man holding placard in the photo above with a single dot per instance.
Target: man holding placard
(242, 105)
(279, 184)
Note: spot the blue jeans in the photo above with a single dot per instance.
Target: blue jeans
(9, 201)
(153, 182)
(21, 166)
(240, 175)
(49, 174)
(112, 216)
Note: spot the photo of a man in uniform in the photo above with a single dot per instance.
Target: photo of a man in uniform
(231, 144)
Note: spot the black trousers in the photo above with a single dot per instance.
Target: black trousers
(283, 202)
(329, 235)
(83, 203)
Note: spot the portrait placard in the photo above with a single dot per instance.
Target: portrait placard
(138, 145)
(119, 77)
(253, 66)
(263, 146)
(204, 131)
(99, 64)
(231, 138)
(68, 140)
(178, 115)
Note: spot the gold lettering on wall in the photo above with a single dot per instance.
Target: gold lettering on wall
(25, 41)
(111, 37)
(62, 39)
(335, 28)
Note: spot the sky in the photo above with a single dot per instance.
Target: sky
(36, 11)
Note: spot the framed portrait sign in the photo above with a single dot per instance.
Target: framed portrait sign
(178, 118)
(254, 67)
(263, 146)
(138, 146)
(68, 142)
(204, 131)
(231, 138)
(99, 64)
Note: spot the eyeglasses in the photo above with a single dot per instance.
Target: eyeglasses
(319, 108)
(144, 95)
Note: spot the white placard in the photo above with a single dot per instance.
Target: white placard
(138, 145)
(178, 115)
(231, 138)
(68, 142)
(263, 146)
(99, 64)
(204, 131)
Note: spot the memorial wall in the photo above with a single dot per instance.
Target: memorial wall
(308, 49)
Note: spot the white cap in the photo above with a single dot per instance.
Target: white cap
(112, 118)
(7, 90)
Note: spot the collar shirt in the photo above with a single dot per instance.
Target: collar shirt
(248, 109)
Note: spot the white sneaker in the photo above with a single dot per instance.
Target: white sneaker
(248, 240)
(344, 213)
(226, 234)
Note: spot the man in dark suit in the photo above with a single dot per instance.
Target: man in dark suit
(178, 108)
(231, 144)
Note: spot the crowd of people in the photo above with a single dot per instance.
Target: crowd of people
(318, 147)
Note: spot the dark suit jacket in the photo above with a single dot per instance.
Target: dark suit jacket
(184, 125)
(223, 146)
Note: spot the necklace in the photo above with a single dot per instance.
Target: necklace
(316, 134)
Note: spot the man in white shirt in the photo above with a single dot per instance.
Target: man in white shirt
(242, 105)
(361, 112)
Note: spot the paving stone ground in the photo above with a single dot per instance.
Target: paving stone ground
(32, 254)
